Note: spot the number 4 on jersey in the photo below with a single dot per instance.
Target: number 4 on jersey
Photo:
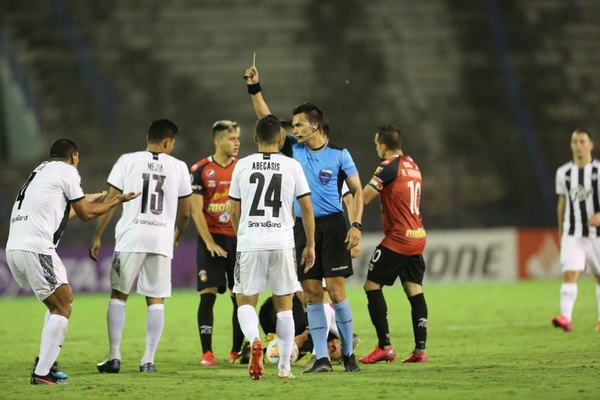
(272, 195)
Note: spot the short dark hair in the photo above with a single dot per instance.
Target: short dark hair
(224, 126)
(63, 148)
(162, 129)
(268, 129)
(390, 136)
(326, 128)
(286, 124)
(313, 113)
(580, 130)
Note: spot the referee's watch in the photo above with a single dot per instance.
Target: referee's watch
(357, 225)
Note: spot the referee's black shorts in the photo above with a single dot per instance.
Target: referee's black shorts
(332, 257)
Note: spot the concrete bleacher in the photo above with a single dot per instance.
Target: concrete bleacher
(431, 67)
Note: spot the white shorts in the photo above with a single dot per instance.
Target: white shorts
(152, 270)
(577, 252)
(254, 268)
(42, 272)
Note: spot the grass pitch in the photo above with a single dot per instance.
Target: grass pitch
(486, 341)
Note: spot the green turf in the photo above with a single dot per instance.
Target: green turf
(486, 340)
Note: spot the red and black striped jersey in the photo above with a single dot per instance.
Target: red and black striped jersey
(398, 181)
(212, 181)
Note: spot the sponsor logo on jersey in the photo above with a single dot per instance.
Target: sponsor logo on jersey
(211, 184)
(224, 217)
(19, 218)
(416, 233)
(218, 207)
(210, 173)
(264, 224)
(407, 164)
(325, 176)
(220, 195)
(150, 222)
(580, 193)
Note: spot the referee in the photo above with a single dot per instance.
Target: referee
(326, 168)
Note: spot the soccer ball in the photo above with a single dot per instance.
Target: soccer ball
(272, 353)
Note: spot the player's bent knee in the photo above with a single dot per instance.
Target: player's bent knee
(370, 285)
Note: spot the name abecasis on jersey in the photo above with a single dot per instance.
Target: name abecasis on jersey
(265, 166)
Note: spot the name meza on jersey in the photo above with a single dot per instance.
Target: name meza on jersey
(580, 187)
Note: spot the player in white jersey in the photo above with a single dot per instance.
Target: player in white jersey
(147, 232)
(37, 221)
(578, 190)
(263, 188)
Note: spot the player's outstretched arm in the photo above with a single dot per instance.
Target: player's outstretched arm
(308, 221)
(183, 217)
(354, 234)
(202, 227)
(91, 198)
(258, 102)
(86, 210)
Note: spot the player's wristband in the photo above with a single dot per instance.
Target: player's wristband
(357, 225)
(254, 88)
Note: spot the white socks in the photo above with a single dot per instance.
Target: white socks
(248, 322)
(116, 322)
(155, 324)
(46, 318)
(330, 317)
(568, 295)
(285, 337)
(53, 337)
(598, 300)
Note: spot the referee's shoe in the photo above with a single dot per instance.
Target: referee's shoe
(320, 365)
(350, 363)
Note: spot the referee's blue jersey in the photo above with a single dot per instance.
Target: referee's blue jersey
(325, 170)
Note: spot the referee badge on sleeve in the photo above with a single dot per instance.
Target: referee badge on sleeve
(325, 176)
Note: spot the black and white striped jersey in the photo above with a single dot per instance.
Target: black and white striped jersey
(580, 188)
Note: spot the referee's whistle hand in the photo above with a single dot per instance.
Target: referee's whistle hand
(308, 258)
(352, 238)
